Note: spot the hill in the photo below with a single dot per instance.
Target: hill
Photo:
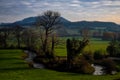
(71, 28)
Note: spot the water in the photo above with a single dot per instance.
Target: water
(98, 70)
(36, 65)
(30, 57)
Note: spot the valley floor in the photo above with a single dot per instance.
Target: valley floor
(12, 67)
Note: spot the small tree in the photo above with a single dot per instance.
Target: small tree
(74, 48)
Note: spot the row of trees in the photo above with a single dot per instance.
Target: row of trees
(17, 37)
(111, 36)
(7, 33)
(104, 35)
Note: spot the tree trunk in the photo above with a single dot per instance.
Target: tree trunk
(53, 45)
(45, 44)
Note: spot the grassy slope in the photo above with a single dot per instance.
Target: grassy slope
(12, 67)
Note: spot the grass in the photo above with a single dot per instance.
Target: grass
(97, 45)
(94, 44)
(12, 67)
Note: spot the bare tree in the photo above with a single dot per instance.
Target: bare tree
(85, 33)
(47, 22)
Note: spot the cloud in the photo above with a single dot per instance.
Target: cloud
(75, 1)
(76, 5)
(71, 9)
(26, 3)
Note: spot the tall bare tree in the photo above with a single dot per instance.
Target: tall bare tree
(47, 22)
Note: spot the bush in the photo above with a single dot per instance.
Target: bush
(56, 63)
(114, 49)
(81, 65)
(24, 56)
(78, 65)
(109, 65)
(30, 64)
(88, 55)
(87, 68)
(98, 54)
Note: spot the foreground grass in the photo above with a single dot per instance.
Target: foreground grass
(12, 67)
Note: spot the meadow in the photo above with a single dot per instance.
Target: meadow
(94, 44)
(13, 67)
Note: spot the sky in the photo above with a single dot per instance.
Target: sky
(73, 10)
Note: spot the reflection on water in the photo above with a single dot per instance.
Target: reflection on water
(98, 70)
(30, 57)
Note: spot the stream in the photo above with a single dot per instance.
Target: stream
(31, 55)
(98, 70)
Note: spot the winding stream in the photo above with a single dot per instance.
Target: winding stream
(30, 57)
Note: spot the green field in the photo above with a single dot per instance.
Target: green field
(12, 67)
(94, 44)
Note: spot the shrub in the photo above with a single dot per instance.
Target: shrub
(41, 59)
(87, 68)
(81, 65)
(88, 55)
(98, 54)
(30, 64)
(24, 56)
(114, 49)
(109, 65)
(56, 63)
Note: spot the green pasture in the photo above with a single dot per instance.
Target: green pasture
(94, 44)
(12, 67)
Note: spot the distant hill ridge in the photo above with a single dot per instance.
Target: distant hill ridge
(68, 24)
